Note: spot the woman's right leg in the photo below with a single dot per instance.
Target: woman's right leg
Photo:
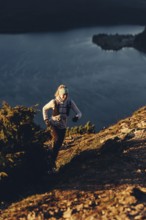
(58, 138)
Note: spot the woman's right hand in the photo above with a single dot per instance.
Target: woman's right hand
(47, 122)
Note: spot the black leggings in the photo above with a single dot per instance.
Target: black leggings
(58, 136)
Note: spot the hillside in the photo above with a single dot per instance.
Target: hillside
(100, 176)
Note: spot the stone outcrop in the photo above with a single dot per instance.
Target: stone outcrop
(117, 41)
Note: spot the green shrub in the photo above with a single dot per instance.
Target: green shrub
(87, 128)
(21, 142)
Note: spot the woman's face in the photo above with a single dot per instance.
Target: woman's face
(63, 96)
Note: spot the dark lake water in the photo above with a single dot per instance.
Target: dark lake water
(106, 85)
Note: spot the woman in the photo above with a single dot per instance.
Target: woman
(61, 106)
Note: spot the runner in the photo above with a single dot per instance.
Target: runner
(57, 123)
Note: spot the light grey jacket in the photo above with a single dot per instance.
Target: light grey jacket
(60, 120)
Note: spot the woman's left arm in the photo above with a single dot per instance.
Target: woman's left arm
(76, 109)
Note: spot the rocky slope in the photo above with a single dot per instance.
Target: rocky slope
(100, 176)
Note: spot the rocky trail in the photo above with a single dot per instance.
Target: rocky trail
(100, 176)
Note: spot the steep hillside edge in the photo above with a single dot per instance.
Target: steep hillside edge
(100, 176)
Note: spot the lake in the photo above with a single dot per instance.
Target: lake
(106, 85)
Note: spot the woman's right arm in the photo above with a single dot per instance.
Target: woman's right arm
(49, 105)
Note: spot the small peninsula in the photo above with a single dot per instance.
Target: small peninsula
(118, 41)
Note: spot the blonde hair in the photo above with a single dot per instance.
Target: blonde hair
(60, 87)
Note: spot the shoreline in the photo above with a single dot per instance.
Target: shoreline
(55, 29)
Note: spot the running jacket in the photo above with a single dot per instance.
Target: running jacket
(60, 120)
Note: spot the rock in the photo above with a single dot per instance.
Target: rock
(67, 213)
(79, 207)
